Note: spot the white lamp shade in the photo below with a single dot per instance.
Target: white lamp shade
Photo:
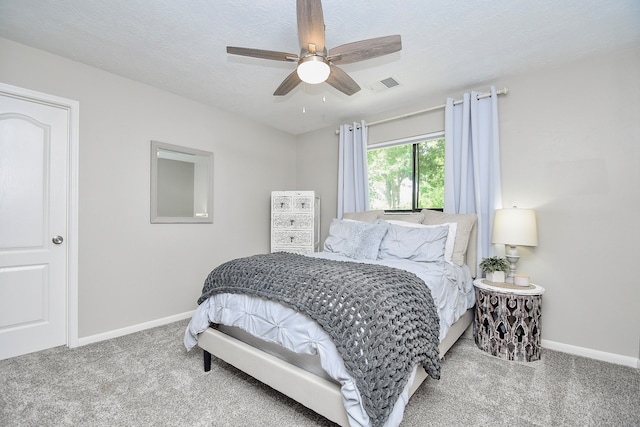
(313, 69)
(515, 227)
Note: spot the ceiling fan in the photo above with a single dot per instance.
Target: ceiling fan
(315, 64)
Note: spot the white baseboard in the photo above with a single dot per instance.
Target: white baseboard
(592, 354)
(551, 345)
(134, 328)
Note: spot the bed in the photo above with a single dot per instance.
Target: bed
(277, 344)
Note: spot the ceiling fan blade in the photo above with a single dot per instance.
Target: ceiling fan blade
(310, 24)
(365, 49)
(264, 54)
(341, 81)
(288, 84)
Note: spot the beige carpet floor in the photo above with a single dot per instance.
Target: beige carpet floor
(148, 379)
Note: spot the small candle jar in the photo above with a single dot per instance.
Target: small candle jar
(520, 280)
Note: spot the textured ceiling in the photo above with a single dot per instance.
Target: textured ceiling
(179, 46)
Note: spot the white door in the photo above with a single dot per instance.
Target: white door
(34, 165)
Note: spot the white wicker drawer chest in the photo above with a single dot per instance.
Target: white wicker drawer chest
(295, 221)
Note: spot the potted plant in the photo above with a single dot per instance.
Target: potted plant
(495, 267)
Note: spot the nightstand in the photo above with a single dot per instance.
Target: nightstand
(507, 320)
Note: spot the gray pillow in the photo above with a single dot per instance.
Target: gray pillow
(465, 226)
(415, 244)
(364, 239)
(367, 216)
(416, 217)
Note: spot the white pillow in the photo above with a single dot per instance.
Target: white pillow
(364, 239)
(339, 231)
(451, 236)
(420, 244)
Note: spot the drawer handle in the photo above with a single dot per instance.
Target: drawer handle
(292, 221)
(302, 205)
(281, 205)
(291, 237)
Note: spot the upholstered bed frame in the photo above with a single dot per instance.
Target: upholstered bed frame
(318, 394)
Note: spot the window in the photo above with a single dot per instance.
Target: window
(407, 174)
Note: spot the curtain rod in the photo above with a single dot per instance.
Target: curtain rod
(426, 110)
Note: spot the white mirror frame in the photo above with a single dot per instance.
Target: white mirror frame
(203, 180)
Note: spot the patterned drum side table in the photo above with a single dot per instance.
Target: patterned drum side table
(507, 320)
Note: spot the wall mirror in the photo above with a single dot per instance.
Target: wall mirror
(181, 184)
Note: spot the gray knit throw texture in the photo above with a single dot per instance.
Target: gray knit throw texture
(382, 320)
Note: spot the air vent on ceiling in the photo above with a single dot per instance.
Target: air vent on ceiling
(383, 84)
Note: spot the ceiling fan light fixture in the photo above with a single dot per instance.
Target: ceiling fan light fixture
(317, 64)
(313, 69)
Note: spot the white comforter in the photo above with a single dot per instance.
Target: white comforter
(451, 288)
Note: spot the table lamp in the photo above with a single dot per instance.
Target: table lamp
(514, 227)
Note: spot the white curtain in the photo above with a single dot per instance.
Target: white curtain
(353, 181)
(472, 162)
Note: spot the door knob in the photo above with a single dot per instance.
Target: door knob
(57, 240)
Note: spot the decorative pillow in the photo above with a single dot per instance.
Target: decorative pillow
(421, 244)
(364, 240)
(416, 217)
(451, 235)
(368, 216)
(465, 225)
(339, 231)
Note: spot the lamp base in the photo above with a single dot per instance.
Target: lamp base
(513, 257)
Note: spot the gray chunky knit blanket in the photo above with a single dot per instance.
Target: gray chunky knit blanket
(381, 319)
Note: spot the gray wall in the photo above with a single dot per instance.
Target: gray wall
(131, 271)
(570, 148)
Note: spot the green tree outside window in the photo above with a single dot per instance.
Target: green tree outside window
(407, 177)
